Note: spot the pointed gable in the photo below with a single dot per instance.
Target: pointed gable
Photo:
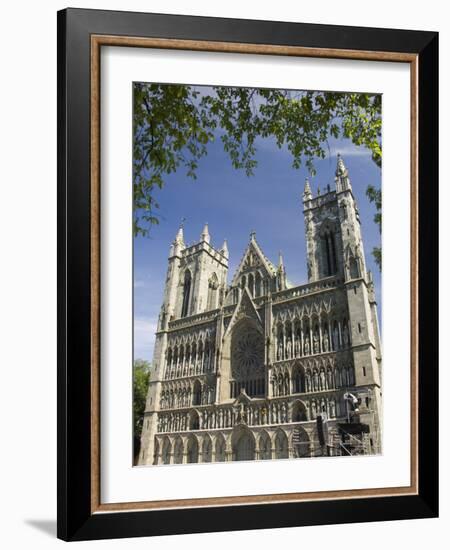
(245, 309)
(252, 259)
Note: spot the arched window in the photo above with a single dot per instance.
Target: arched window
(197, 393)
(192, 450)
(281, 445)
(257, 284)
(194, 421)
(299, 413)
(186, 293)
(213, 286)
(251, 284)
(247, 359)
(354, 269)
(207, 450)
(166, 451)
(299, 379)
(178, 451)
(220, 449)
(265, 447)
(328, 246)
(300, 443)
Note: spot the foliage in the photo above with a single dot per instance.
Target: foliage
(141, 379)
(374, 196)
(173, 124)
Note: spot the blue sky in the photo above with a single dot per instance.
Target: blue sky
(233, 204)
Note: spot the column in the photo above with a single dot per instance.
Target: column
(301, 339)
(320, 335)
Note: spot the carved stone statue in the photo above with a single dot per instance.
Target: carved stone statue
(315, 381)
(280, 351)
(316, 342)
(289, 349)
(322, 380)
(308, 382)
(330, 379)
(296, 347)
(307, 346)
(326, 345)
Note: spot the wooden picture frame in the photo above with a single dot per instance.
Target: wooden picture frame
(81, 35)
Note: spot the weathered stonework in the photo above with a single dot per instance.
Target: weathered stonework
(259, 369)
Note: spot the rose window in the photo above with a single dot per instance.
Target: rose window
(247, 352)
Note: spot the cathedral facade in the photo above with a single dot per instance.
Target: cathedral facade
(259, 368)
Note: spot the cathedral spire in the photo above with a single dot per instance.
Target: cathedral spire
(178, 243)
(205, 234)
(224, 249)
(342, 180)
(307, 194)
(280, 261)
(341, 170)
(179, 239)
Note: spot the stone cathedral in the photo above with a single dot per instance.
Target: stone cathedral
(262, 369)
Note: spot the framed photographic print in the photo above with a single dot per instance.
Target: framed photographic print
(247, 274)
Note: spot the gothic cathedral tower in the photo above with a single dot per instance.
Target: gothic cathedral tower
(335, 250)
(195, 283)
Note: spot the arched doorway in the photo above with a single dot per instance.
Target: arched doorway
(281, 445)
(220, 449)
(265, 447)
(299, 413)
(243, 446)
(301, 443)
(192, 450)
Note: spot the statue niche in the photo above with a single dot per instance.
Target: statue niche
(247, 359)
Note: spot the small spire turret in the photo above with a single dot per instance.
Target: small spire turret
(224, 249)
(307, 194)
(342, 180)
(205, 234)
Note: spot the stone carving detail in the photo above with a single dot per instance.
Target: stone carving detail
(251, 260)
(247, 353)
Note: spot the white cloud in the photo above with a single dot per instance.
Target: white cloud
(347, 151)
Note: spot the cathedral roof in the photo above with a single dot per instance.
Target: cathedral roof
(253, 257)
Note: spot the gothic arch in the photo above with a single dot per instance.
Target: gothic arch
(243, 444)
(220, 448)
(187, 282)
(197, 393)
(247, 358)
(328, 248)
(265, 446)
(281, 444)
(178, 451)
(299, 412)
(192, 450)
(194, 420)
(166, 451)
(213, 286)
(300, 442)
(206, 449)
(298, 378)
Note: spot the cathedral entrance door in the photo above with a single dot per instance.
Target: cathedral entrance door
(245, 448)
